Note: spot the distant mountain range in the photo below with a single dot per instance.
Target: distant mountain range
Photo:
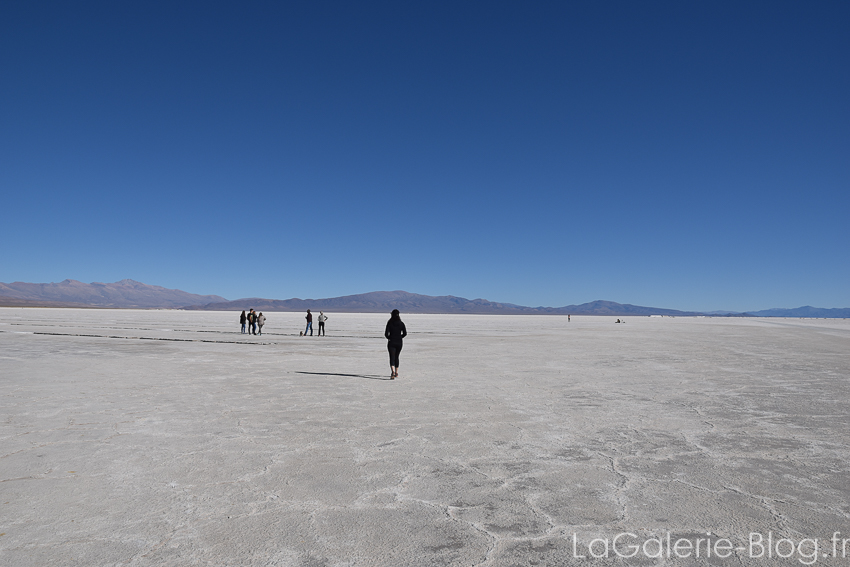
(133, 294)
(123, 294)
(385, 301)
(807, 311)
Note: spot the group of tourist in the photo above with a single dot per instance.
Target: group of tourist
(321, 318)
(254, 322)
(394, 332)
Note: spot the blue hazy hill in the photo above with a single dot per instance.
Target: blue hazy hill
(805, 311)
(133, 294)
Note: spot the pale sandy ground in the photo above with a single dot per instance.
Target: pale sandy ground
(504, 439)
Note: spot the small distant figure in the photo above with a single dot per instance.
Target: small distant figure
(309, 323)
(394, 334)
(242, 320)
(261, 320)
(322, 318)
(568, 318)
(618, 321)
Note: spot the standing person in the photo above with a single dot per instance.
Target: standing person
(251, 316)
(261, 320)
(243, 319)
(322, 318)
(394, 333)
(309, 323)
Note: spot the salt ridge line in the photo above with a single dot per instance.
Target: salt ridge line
(169, 339)
(143, 338)
(440, 333)
(175, 339)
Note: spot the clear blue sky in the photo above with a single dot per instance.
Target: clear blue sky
(689, 155)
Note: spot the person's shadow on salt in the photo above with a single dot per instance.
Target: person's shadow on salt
(367, 376)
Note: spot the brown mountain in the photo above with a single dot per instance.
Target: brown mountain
(386, 301)
(132, 294)
(123, 294)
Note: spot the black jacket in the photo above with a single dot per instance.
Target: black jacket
(395, 331)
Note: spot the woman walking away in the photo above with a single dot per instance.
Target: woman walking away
(261, 320)
(243, 319)
(394, 333)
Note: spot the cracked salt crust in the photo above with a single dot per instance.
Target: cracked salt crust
(169, 438)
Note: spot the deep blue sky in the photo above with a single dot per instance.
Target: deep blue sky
(690, 155)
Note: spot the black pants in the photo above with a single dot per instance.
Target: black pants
(394, 349)
(321, 327)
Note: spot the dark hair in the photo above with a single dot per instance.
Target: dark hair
(395, 314)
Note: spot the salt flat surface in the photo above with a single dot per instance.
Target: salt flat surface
(168, 438)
